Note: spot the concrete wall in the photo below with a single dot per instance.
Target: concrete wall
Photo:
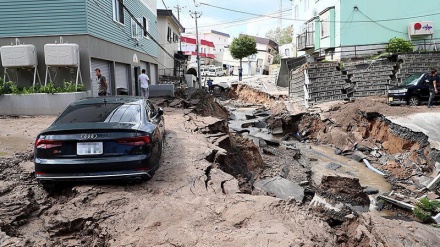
(38, 104)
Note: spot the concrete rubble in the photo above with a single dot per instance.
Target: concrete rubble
(238, 169)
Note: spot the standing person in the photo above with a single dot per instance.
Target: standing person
(102, 83)
(231, 71)
(144, 81)
(240, 73)
(433, 78)
(210, 86)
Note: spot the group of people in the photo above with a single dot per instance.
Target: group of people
(143, 79)
(240, 72)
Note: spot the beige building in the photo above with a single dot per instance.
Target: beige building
(257, 64)
(169, 30)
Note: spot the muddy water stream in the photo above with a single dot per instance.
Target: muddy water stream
(252, 120)
(326, 156)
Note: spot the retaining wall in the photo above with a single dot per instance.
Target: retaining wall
(39, 103)
(328, 81)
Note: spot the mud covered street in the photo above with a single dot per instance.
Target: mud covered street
(211, 188)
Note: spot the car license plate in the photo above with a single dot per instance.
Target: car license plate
(390, 99)
(89, 148)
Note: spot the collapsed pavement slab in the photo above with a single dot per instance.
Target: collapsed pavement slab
(282, 188)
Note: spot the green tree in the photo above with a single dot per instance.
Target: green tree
(399, 45)
(281, 36)
(243, 46)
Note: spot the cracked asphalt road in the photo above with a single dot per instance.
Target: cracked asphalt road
(175, 208)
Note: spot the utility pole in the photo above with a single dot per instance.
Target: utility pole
(196, 15)
(179, 9)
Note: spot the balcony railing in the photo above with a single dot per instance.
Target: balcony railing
(305, 41)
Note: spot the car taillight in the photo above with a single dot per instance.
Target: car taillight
(47, 144)
(134, 141)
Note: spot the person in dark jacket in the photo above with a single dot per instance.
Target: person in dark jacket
(433, 80)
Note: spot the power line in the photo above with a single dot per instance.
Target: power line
(242, 20)
(293, 19)
(390, 29)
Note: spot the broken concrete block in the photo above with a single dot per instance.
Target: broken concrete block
(437, 166)
(396, 202)
(333, 166)
(268, 151)
(282, 188)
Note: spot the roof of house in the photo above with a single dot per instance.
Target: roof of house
(167, 12)
(220, 33)
(194, 41)
(264, 41)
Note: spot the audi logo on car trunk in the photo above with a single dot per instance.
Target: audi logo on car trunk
(89, 136)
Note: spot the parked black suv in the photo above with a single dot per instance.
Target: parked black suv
(412, 91)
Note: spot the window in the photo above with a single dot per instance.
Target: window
(118, 12)
(101, 113)
(325, 25)
(146, 24)
(151, 111)
(175, 37)
(136, 30)
(169, 37)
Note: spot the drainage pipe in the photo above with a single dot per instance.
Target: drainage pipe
(372, 168)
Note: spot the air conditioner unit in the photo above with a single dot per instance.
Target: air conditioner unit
(16, 56)
(61, 55)
(421, 28)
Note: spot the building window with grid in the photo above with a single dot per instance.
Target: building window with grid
(136, 30)
(325, 25)
(169, 35)
(146, 24)
(118, 12)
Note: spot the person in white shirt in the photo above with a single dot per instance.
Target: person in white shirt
(144, 81)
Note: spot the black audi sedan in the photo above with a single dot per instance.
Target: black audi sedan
(101, 138)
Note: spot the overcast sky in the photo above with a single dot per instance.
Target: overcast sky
(214, 18)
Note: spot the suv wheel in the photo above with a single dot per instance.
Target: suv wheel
(414, 101)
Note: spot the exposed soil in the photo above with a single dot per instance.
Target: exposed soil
(191, 201)
(247, 94)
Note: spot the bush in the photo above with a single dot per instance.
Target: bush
(425, 208)
(399, 45)
(68, 87)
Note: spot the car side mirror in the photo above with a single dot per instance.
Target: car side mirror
(159, 112)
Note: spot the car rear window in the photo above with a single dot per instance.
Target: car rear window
(95, 113)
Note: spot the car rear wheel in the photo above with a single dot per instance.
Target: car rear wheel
(414, 101)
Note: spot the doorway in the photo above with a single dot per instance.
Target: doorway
(137, 72)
